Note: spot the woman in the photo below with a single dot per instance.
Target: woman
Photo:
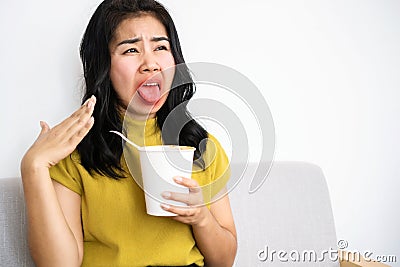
(84, 208)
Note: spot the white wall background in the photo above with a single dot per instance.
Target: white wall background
(329, 70)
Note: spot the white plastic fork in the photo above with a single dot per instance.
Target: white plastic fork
(127, 140)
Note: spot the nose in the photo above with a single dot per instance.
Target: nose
(149, 63)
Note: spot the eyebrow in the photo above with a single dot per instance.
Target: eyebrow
(137, 39)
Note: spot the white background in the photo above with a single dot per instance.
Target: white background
(329, 71)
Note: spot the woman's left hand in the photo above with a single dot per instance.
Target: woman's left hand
(196, 213)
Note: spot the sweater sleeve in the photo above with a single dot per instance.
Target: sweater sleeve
(221, 169)
(214, 178)
(67, 173)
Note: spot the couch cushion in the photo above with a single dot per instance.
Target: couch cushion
(291, 212)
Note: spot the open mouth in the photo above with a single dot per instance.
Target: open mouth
(150, 91)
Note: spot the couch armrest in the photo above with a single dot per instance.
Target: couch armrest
(14, 250)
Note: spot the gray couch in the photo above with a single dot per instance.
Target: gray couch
(288, 218)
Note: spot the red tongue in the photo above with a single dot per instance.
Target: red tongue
(150, 94)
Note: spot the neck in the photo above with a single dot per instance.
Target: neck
(139, 117)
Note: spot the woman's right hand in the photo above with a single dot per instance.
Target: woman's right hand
(53, 145)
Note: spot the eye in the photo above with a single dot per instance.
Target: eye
(161, 47)
(131, 50)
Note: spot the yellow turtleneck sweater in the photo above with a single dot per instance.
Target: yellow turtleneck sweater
(117, 230)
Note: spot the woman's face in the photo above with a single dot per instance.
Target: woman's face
(140, 54)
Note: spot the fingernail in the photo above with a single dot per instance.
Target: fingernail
(90, 103)
(178, 179)
(166, 195)
(164, 206)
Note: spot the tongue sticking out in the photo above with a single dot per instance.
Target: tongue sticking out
(150, 94)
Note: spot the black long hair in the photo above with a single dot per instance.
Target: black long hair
(101, 151)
